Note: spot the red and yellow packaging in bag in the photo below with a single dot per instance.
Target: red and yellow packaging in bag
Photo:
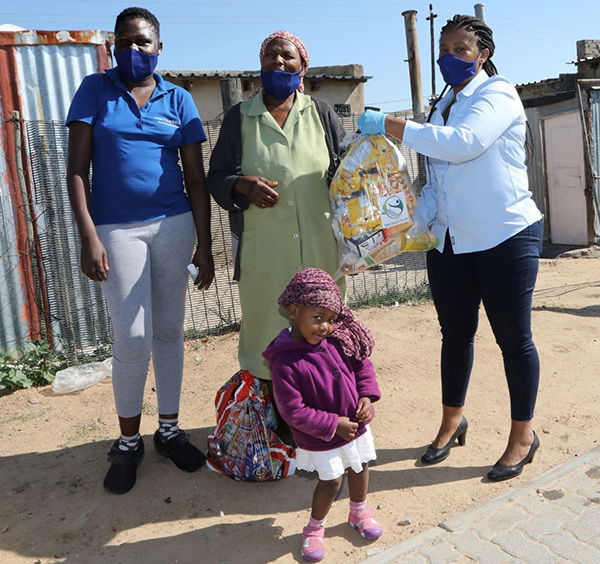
(373, 201)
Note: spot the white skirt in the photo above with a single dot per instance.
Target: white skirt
(331, 464)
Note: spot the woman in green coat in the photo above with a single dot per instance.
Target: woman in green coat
(271, 169)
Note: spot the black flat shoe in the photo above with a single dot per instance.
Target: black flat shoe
(122, 474)
(500, 472)
(434, 455)
(179, 449)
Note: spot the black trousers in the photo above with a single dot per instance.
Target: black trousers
(503, 278)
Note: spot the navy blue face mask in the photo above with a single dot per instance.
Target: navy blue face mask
(135, 65)
(454, 70)
(280, 84)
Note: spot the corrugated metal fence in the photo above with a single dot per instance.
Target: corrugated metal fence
(13, 328)
(79, 319)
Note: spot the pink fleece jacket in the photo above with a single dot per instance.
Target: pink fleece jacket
(316, 384)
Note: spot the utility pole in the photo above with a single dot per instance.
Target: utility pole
(430, 19)
(480, 11)
(414, 67)
(231, 92)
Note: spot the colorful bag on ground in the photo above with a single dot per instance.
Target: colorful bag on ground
(373, 201)
(244, 445)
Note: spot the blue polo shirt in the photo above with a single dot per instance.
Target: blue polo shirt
(136, 174)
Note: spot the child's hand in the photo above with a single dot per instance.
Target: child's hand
(346, 428)
(364, 410)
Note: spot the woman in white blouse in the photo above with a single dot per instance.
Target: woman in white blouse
(478, 204)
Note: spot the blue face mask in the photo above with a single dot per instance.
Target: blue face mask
(280, 84)
(135, 65)
(454, 70)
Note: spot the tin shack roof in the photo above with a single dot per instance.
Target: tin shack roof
(335, 72)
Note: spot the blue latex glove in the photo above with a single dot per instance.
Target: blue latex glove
(372, 122)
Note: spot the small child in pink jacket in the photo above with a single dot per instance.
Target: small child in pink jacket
(324, 385)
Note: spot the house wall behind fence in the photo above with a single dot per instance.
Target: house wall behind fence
(80, 320)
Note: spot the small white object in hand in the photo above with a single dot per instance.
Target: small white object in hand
(194, 271)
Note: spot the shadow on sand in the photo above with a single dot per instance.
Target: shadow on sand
(53, 507)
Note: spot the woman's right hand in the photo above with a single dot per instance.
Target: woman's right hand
(346, 428)
(258, 190)
(94, 259)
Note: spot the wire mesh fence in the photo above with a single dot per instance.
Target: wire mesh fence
(77, 308)
(22, 282)
(75, 305)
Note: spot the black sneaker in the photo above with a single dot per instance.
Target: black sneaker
(179, 449)
(122, 473)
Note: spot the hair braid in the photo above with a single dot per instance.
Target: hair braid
(485, 38)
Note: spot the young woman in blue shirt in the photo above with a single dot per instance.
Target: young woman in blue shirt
(139, 219)
(477, 202)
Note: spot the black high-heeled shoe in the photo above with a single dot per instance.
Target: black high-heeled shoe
(500, 472)
(434, 455)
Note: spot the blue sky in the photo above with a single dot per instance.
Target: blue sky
(534, 40)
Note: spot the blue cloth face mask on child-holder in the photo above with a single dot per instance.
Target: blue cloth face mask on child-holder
(135, 65)
(454, 70)
(280, 84)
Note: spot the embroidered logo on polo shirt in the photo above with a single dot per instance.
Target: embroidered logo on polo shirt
(170, 122)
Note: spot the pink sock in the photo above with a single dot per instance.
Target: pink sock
(357, 505)
(315, 524)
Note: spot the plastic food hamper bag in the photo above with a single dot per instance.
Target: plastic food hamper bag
(372, 200)
(243, 444)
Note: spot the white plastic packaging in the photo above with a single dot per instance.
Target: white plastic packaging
(77, 378)
(194, 271)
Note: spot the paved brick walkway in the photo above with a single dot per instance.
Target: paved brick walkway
(552, 518)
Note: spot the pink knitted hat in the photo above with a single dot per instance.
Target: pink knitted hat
(314, 287)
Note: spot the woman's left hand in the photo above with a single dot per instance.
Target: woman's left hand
(204, 261)
(364, 410)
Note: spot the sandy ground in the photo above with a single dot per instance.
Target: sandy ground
(53, 448)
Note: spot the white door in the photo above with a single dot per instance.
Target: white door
(566, 179)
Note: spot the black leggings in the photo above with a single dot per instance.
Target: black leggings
(503, 279)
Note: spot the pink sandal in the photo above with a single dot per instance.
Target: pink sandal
(364, 523)
(312, 544)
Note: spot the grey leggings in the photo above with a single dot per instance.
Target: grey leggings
(145, 292)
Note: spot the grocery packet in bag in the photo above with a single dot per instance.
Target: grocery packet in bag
(373, 201)
(244, 444)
